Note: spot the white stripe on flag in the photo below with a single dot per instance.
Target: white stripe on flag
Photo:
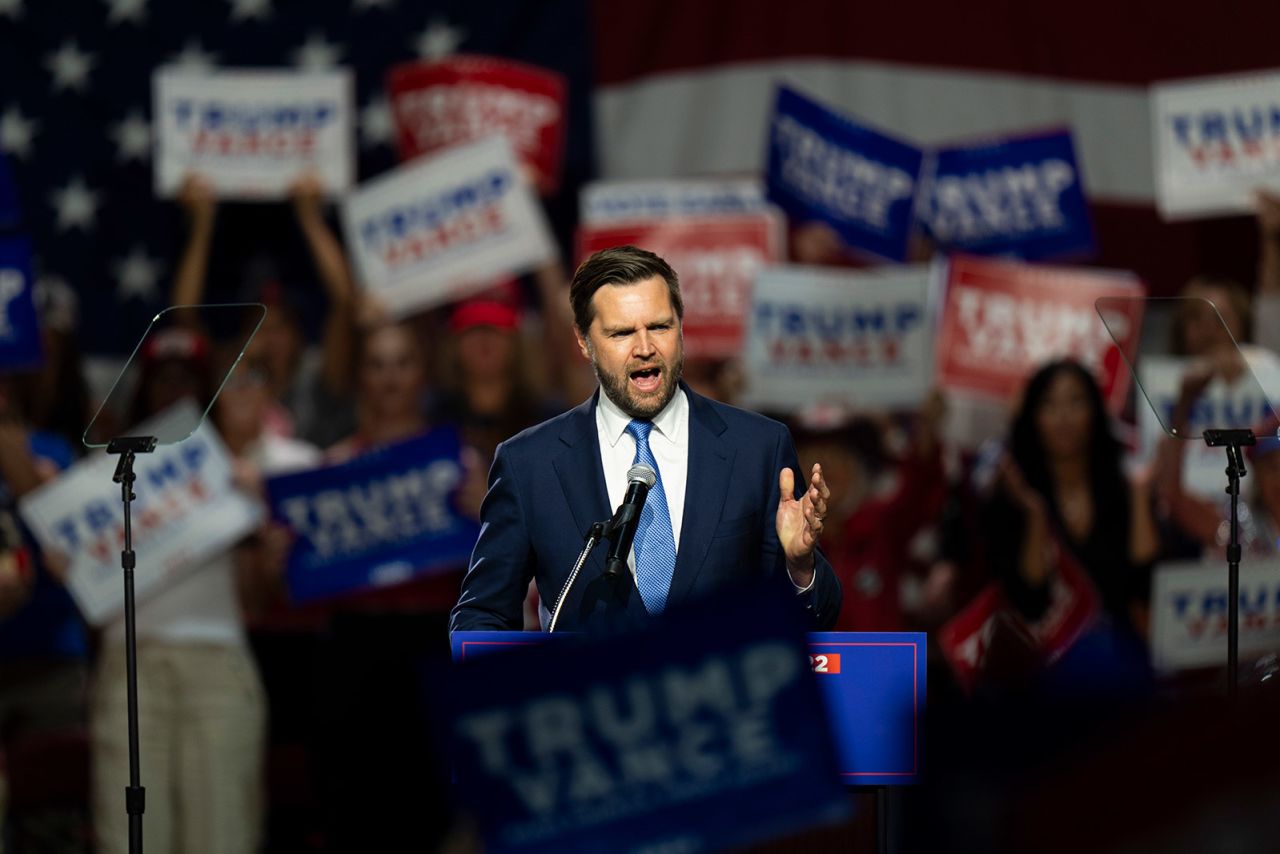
(712, 121)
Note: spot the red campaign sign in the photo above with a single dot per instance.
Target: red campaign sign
(440, 103)
(716, 258)
(1003, 319)
(966, 640)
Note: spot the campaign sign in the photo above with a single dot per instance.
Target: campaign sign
(1020, 197)
(626, 201)
(1189, 603)
(436, 104)
(1003, 319)
(705, 732)
(375, 520)
(1243, 403)
(825, 167)
(187, 509)
(445, 226)
(9, 212)
(19, 328)
(252, 133)
(716, 258)
(852, 338)
(873, 685)
(966, 640)
(1217, 140)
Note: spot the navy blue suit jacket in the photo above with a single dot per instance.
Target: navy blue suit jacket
(546, 488)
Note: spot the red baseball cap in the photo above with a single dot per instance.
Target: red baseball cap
(175, 343)
(483, 312)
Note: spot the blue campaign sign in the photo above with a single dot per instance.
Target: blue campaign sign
(825, 167)
(1021, 197)
(376, 520)
(873, 684)
(9, 213)
(19, 329)
(704, 732)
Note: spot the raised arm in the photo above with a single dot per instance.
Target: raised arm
(335, 275)
(197, 199)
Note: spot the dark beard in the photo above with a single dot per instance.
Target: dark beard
(619, 391)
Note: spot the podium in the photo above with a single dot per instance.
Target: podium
(873, 684)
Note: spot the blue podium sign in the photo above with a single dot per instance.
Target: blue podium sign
(705, 732)
(873, 684)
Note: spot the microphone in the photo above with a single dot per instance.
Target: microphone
(622, 528)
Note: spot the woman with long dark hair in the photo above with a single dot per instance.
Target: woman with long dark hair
(1062, 486)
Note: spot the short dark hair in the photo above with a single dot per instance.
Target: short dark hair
(621, 265)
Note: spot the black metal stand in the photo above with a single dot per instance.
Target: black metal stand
(1233, 441)
(594, 535)
(882, 820)
(135, 796)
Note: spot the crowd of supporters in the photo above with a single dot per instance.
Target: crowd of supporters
(249, 701)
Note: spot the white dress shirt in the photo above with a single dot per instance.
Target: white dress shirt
(669, 441)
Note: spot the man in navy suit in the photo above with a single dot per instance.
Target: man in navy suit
(724, 512)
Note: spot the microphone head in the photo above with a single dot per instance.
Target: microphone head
(642, 473)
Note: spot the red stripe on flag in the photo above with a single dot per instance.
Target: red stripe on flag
(1131, 43)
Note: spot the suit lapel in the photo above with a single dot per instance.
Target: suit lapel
(710, 464)
(579, 469)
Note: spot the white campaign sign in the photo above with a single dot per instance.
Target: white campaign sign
(186, 510)
(1243, 404)
(853, 338)
(1216, 141)
(445, 225)
(1189, 612)
(252, 133)
(626, 201)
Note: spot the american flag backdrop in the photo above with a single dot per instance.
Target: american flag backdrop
(679, 86)
(75, 126)
(657, 88)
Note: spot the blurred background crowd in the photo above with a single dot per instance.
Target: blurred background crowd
(280, 726)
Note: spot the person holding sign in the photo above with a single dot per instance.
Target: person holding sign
(310, 389)
(725, 510)
(1062, 487)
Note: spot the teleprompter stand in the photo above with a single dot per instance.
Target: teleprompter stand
(135, 796)
(1233, 441)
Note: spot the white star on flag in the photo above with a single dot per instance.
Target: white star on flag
(194, 59)
(244, 10)
(11, 9)
(133, 11)
(317, 54)
(70, 67)
(76, 205)
(17, 132)
(376, 125)
(136, 275)
(439, 39)
(133, 137)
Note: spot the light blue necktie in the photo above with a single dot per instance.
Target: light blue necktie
(654, 545)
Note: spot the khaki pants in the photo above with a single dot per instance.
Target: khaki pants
(202, 727)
